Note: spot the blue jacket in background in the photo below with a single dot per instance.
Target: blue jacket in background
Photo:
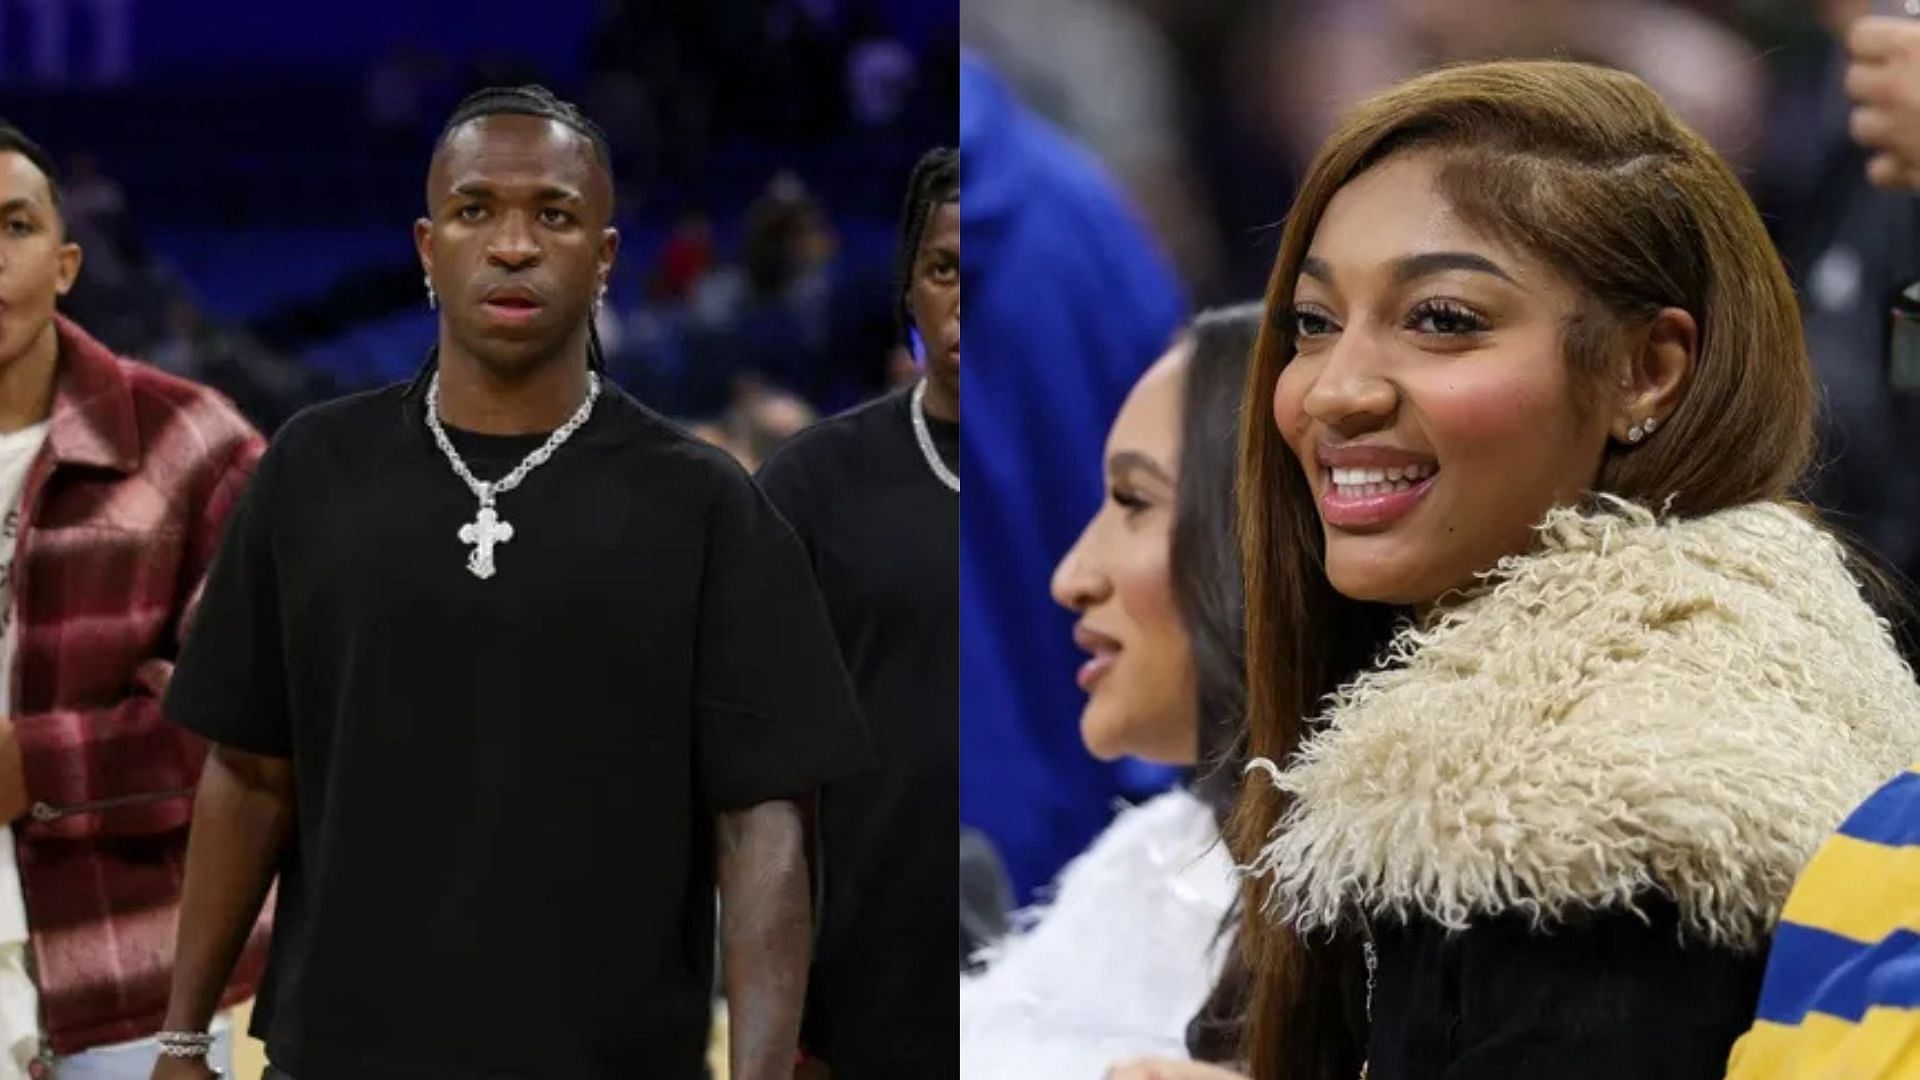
(1068, 300)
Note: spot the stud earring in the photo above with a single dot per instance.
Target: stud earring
(1635, 434)
(433, 301)
(1650, 425)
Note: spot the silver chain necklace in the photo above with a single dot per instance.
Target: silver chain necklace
(488, 528)
(925, 438)
(1373, 967)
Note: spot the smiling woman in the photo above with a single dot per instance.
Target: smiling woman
(1454, 339)
(1532, 406)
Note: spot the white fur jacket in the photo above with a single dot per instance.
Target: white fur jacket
(1121, 960)
(1684, 708)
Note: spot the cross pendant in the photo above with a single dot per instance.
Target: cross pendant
(484, 531)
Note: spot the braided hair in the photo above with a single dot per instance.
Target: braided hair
(529, 100)
(934, 183)
(535, 100)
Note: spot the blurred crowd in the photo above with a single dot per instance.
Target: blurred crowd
(751, 294)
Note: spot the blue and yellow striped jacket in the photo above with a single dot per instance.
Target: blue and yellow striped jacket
(1842, 992)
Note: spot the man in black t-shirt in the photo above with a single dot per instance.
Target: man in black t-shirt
(875, 496)
(504, 674)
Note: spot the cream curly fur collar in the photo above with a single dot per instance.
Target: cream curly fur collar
(1680, 706)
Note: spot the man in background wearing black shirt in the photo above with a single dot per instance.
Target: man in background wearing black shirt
(875, 497)
(499, 737)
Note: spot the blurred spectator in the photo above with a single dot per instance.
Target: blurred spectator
(685, 258)
(114, 296)
(880, 72)
(1884, 83)
(266, 386)
(95, 203)
(790, 251)
(1102, 72)
(1850, 248)
(122, 297)
(770, 318)
(1069, 301)
(757, 420)
(767, 418)
(181, 350)
(1703, 69)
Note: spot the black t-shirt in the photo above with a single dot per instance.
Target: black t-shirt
(503, 856)
(883, 535)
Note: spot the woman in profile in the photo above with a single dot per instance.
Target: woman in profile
(1138, 930)
(1586, 685)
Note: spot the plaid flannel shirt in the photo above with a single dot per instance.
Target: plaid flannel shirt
(119, 520)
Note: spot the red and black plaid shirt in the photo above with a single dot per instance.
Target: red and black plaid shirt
(121, 514)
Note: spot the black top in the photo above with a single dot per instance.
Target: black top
(1605, 995)
(883, 535)
(503, 864)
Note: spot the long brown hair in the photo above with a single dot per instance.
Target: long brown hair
(1586, 169)
(1204, 554)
